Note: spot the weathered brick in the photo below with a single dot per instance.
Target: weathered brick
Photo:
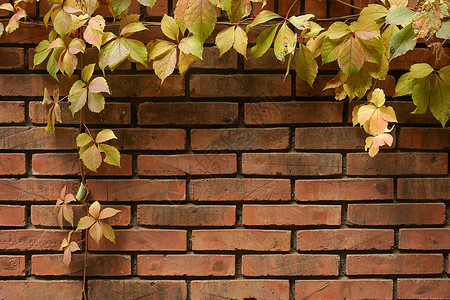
(12, 112)
(36, 138)
(344, 189)
(187, 164)
(319, 9)
(293, 112)
(186, 215)
(137, 190)
(424, 138)
(241, 239)
(12, 265)
(188, 113)
(425, 239)
(43, 215)
(423, 188)
(56, 164)
(143, 240)
(396, 214)
(158, 10)
(285, 6)
(267, 61)
(345, 239)
(415, 56)
(394, 264)
(12, 164)
(377, 289)
(257, 7)
(248, 85)
(338, 9)
(211, 59)
(240, 289)
(292, 164)
(230, 189)
(240, 139)
(33, 240)
(144, 85)
(12, 215)
(40, 289)
(113, 114)
(97, 265)
(291, 215)
(12, 58)
(32, 85)
(136, 289)
(33, 189)
(186, 265)
(424, 288)
(290, 265)
(411, 163)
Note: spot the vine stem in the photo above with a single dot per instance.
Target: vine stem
(290, 8)
(348, 4)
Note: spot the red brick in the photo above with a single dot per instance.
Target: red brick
(293, 112)
(12, 112)
(317, 8)
(291, 215)
(136, 289)
(32, 85)
(377, 289)
(424, 138)
(345, 239)
(12, 59)
(187, 164)
(12, 265)
(12, 215)
(240, 139)
(158, 10)
(396, 214)
(423, 188)
(411, 163)
(149, 139)
(144, 85)
(33, 240)
(425, 239)
(33, 189)
(36, 138)
(415, 56)
(114, 113)
(292, 164)
(339, 10)
(186, 265)
(4, 13)
(12, 164)
(303, 89)
(395, 264)
(284, 6)
(137, 190)
(333, 138)
(344, 189)
(239, 85)
(183, 215)
(40, 289)
(290, 265)
(267, 61)
(211, 59)
(55, 164)
(240, 289)
(241, 239)
(143, 240)
(424, 288)
(188, 113)
(42, 215)
(97, 265)
(230, 189)
(257, 7)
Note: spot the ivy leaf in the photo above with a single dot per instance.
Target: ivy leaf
(13, 23)
(137, 51)
(330, 49)
(83, 139)
(373, 12)
(108, 213)
(91, 6)
(263, 41)
(263, 17)
(240, 41)
(85, 222)
(119, 6)
(191, 45)
(225, 40)
(399, 16)
(69, 63)
(338, 30)
(444, 73)
(306, 65)
(93, 34)
(165, 64)
(77, 96)
(185, 62)
(96, 232)
(113, 54)
(284, 42)
(105, 135)
(351, 56)
(402, 41)
(315, 44)
(107, 231)
(238, 9)
(112, 155)
(92, 158)
(358, 84)
(373, 144)
(301, 22)
(442, 33)
(440, 101)
(99, 85)
(148, 3)
(365, 29)
(87, 72)
(96, 102)
(132, 28)
(405, 85)
(62, 22)
(170, 27)
(199, 16)
(420, 70)
(421, 95)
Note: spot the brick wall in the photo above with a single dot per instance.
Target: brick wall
(234, 184)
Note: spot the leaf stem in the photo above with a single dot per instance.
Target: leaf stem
(290, 8)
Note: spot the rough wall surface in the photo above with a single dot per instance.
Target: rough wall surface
(234, 184)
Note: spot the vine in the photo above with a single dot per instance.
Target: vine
(362, 45)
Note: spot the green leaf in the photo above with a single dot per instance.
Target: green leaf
(165, 64)
(87, 72)
(83, 139)
(440, 101)
(119, 6)
(225, 40)
(444, 31)
(366, 29)
(170, 27)
(284, 42)
(96, 102)
(92, 158)
(132, 28)
(114, 55)
(399, 16)
(52, 63)
(137, 50)
(240, 41)
(238, 9)
(191, 45)
(421, 95)
(185, 62)
(112, 155)
(444, 73)
(69, 63)
(373, 12)
(263, 17)
(199, 16)
(149, 3)
(105, 135)
(351, 57)
(330, 49)
(93, 34)
(41, 52)
(77, 99)
(107, 231)
(301, 22)
(338, 30)
(405, 85)
(62, 23)
(402, 41)
(85, 222)
(358, 84)
(420, 70)
(263, 41)
(373, 49)
(306, 65)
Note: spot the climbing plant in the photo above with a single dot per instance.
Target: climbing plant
(363, 45)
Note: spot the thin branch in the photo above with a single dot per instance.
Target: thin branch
(348, 4)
